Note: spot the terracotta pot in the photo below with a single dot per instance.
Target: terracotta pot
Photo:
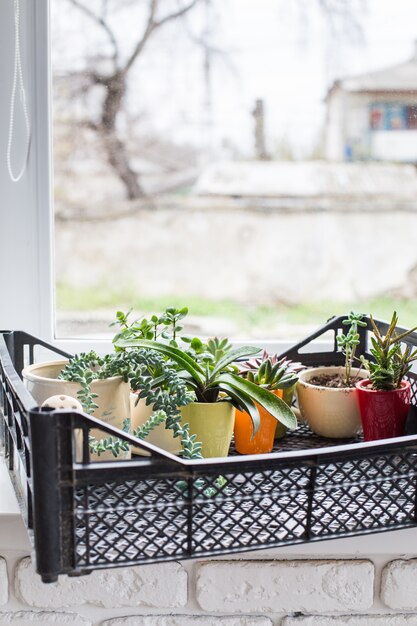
(113, 397)
(383, 413)
(329, 412)
(159, 436)
(263, 441)
(212, 423)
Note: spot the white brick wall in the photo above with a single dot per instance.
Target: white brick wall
(4, 583)
(159, 586)
(285, 586)
(331, 592)
(399, 585)
(187, 620)
(349, 620)
(41, 618)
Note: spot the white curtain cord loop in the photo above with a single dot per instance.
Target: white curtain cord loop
(17, 79)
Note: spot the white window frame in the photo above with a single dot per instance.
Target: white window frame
(25, 217)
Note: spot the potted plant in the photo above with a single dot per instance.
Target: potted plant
(278, 376)
(166, 326)
(209, 372)
(102, 392)
(384, 397)
(327, 395)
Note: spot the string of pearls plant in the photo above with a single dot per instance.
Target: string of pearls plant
(149, 374)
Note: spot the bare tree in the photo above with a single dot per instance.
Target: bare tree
(111, 71)
(115, 80)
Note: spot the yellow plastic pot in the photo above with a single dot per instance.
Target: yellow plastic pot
(212, 423)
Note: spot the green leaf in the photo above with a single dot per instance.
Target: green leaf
(196, 343)
(274, 405)
(233, 355)
(245, 403)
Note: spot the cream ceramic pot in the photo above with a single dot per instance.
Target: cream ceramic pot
(113, 397)
(330, 412)
(159, 436)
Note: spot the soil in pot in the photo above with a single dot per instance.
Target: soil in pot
(335, 381)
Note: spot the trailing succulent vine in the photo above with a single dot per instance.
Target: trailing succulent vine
(152, 377)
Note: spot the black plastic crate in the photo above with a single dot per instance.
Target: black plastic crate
(85, 516)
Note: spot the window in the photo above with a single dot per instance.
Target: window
(389, 116)
(206, 161)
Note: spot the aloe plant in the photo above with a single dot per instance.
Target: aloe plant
(211, 377)
(391, 364)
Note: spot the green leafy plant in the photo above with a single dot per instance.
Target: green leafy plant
(166, 326)
(211, 374)
(391, 362)
(348, 342)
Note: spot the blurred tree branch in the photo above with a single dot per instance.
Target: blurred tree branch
(115, 81)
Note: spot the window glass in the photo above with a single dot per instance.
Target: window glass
(252, 159)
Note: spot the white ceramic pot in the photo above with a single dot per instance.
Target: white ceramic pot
(159, 436)
(330, 412)
(113, 397)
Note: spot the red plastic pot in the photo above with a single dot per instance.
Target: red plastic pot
(383, 413)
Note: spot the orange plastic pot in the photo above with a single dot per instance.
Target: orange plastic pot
(263, 441)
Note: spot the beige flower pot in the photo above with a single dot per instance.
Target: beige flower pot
(159, 436)
(113, 397)
(332, 413)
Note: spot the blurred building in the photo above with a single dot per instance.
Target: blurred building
(374, 116)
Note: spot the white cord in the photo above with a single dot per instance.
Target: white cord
(17, 78)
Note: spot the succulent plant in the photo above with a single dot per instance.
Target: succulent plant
(271, 372)
(349, 342)
(391, 364)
